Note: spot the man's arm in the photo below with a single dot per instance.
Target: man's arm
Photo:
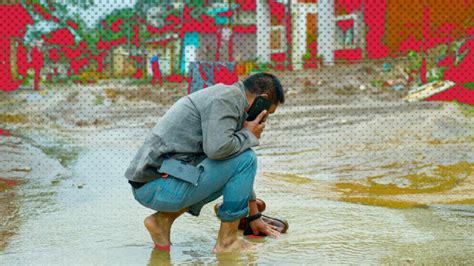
(253, 208)
(220, 138)
(260, 226)
(253, 195)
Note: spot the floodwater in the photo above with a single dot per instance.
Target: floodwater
(360, 181)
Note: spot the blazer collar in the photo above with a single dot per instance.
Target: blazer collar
(240, 85)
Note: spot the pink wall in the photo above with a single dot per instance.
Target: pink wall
(425, 29)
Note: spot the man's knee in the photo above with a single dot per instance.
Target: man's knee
(249, 157)
(248, 165)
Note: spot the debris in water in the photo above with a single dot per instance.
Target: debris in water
(21, 169)
(34, 97)
(13, 118)
(7, 182)
(428, 90)
(397, 87)
(394, 82)
(5, 133)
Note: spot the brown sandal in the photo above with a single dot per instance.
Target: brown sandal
(261, 206)
(280, 224)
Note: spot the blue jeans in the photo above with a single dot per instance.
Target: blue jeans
(233, 178)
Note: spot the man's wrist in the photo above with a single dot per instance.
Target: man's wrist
(252, 218)
(252, 138)
(253, 208)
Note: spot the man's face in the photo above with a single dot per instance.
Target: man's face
(273, 107)
(271, 110)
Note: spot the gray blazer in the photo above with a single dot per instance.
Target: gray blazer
(207, 123)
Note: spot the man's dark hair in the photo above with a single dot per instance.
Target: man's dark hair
(265, 83)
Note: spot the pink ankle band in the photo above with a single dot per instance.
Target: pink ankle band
(163, 248)
(254, 236)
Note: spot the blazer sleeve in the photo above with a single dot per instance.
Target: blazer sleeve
(222, 137)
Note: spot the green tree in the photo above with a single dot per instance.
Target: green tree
(130, 17)
(59, 9)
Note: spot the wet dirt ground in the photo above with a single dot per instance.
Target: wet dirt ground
(361, 176)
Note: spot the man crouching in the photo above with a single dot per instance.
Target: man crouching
(200, 150)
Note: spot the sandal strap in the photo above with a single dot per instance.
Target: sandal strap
(254, 217)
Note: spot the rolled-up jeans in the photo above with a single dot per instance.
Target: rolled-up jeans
(232, 178)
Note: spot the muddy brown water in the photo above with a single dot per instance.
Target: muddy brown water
(369, 182)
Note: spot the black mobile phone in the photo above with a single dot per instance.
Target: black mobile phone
(259, 104)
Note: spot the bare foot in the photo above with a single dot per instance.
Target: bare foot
(159, 230)
(237, 244)
(159, 226)
(228, 240)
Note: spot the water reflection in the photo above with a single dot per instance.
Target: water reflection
(165, 258)
(159, 257)
(233, 258)
(9, 219)
(313, 184)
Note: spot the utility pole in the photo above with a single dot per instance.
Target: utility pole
(326, 30)
(288, 35)
(142, 45)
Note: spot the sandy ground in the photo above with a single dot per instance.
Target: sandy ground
(339, 145)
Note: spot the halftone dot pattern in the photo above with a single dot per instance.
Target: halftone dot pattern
(370, 158)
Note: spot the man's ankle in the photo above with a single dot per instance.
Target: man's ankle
(227, 241)
(228, 233)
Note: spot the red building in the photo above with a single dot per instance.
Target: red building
(13, 21)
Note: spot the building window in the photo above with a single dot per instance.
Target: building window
(277, 39)
(346, 32)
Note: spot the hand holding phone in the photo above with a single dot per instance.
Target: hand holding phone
(259, 105)
(255, 126)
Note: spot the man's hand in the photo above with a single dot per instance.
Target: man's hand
(260, 226)
(254, 126)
